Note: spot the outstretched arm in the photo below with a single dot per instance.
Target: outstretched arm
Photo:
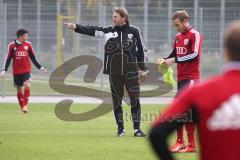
(87, 30)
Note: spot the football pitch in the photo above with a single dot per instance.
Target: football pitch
(40, 135)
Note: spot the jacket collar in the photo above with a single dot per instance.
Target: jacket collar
(122, 27)
(231, 66)
(187, 29)
(18, 42)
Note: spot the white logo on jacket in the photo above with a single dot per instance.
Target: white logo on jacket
(185, 41)
(130, 36)
(227, 116)
(26, 48)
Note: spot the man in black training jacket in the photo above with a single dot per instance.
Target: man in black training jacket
(123, 62)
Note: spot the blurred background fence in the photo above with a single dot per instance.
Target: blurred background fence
(153, 17)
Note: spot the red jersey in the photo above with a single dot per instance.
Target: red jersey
(187, 50)
(21, 53)
(218, 114)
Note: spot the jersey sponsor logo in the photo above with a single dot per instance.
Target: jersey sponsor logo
(226, 117)
(26, 48)
(21, 54)
(185, 41)
(181, 50)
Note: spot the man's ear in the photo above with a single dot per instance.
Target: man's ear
(124, 19)
(226, 55)
(185, 22)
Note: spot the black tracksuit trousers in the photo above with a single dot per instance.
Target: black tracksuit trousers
(133, 89)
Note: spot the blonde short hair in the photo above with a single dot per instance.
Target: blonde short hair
(181, 15)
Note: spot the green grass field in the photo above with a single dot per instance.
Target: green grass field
(40, 135)
(40, 86)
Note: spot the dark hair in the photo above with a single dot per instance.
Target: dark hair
(232, 41)
(122, 11)
(21, 32)
(181, 15)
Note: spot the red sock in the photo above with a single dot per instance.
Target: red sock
(180, 135)
(20, 97)
(190, 128)
(26, 95)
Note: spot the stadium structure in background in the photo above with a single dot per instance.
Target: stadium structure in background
(54, 45)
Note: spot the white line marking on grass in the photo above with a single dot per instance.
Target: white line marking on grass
(81, 100)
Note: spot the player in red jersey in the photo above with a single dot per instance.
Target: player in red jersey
(215, 109)
(21, 51)
(186, 53)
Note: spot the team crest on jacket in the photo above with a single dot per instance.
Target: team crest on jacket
(130, 36)
(185, 42)
(26, 48)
